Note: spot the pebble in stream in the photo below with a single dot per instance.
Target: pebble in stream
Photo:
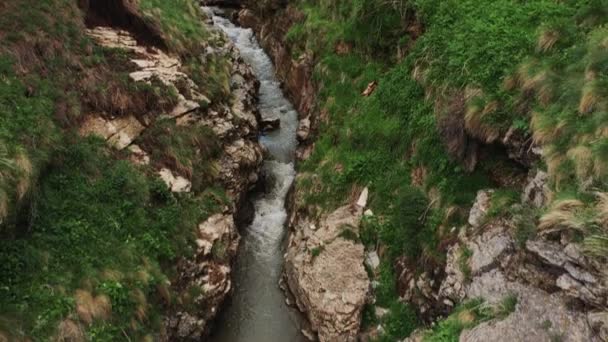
(257, 311)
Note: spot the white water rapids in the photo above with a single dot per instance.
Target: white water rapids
(257, 311)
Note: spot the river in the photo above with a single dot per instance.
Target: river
(257, 311)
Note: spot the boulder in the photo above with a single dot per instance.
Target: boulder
(325, 273)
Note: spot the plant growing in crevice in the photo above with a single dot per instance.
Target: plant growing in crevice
(316, 251)
(464, 255)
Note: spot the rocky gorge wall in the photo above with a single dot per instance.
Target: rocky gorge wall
(235, 124)
(324, 264)
(296, 74)
(559, 292)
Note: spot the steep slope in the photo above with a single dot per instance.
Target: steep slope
(128, 141)
(426, 103)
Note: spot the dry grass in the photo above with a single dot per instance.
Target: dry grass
(602, 208)
(543, 130)
(529, 78)
(143, 277)
(545, 95)
(141, 309)
(582, 157)
(112, 275)
(475, 125)
(3, 205)
(547, 40)
(90, 308)
(510, 82)
(589, 99)
(69, 331)
(24, 165)
(419, 74)
(563, 216)
(466, 317)
(164, 292)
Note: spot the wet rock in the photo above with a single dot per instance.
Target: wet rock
(294, 72)
(325, 273)
(310, 335)
(270, 123)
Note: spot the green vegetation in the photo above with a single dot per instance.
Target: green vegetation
(315, 252)
(463, 261)
(489, 66)
(101, 228)
(89, 241)
(349, 234)
(448, 73)
(180, 21)
(468, 315)
(501, 202)
(400, 322)
(465, 316)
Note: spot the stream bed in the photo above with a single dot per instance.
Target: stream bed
(257, 311)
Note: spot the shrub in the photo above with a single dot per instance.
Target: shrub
(402, 235)
(400, 322)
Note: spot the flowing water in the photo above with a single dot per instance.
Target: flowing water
(257, 311)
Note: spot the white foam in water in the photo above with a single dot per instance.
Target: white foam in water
(258, 312)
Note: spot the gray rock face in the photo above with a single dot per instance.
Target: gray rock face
(538, 316)
(547, 277)
(579, 278)
(480, 207)
(497, 270)
(324, 271)
(489, 250)
(537, 190)
(217, 241)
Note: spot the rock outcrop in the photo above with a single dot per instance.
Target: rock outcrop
(235, 123)
(561, 294)
(217, 242)
(325, 273)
